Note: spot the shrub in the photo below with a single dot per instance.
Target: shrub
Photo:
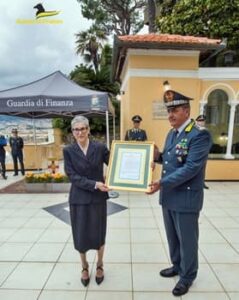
(31, 177)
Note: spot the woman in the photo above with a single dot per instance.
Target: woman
(84, 161)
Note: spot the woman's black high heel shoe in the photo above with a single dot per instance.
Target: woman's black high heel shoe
(99, 279)
(85, 281)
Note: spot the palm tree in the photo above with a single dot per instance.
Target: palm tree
(151, 15)
(89, 43)
(99, 80)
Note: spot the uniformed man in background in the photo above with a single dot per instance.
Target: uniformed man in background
(3, 143)
(136, 133)
(16, 143)
(200, 120)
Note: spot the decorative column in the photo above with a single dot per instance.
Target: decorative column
(233, 105)
(201, 108)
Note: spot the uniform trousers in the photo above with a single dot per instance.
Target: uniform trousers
(18, 156)
(3, 165)
(182, 235)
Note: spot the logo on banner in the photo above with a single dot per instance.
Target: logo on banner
(42, 17)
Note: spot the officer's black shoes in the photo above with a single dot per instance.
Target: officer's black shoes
(181, 289)
(15, 174)
(4, 177)
(169, 272)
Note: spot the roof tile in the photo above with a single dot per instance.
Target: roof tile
(168, 38)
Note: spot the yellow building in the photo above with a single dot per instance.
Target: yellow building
(143, 63)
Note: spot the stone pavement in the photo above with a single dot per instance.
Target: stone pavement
(37, 259)
(10, 179)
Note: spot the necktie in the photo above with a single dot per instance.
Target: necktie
(174, 135)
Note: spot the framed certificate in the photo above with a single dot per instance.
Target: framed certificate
(130, 166)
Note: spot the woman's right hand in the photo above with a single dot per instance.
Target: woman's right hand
(101, 186)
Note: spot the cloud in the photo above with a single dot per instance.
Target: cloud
(29, 52)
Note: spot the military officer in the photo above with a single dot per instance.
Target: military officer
(3, 143)
(16, 143)
(136, 134)
(183, 162)
(200, 120)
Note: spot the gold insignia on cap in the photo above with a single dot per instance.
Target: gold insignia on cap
(169, 96)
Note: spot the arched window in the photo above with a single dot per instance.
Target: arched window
(217, 112)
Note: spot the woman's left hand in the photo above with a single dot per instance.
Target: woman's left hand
(152, 165)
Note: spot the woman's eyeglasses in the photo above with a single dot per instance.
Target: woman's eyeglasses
(82, 129)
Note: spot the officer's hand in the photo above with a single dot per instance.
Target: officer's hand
(154, 187)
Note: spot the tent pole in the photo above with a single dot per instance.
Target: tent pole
(114, 127)
(107, 130)
(35, 139)
(34, 131)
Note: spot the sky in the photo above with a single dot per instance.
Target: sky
(30, 52)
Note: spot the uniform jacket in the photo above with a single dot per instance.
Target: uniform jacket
(16, 144)
(136, 135)
(84, 170)
(3, 143)
(183, 169)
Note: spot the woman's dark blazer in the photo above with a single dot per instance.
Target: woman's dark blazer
(84, 170)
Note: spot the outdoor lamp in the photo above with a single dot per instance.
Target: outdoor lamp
(223, 141)
(118, 97)
(229, 57)
(223, 137)
(166, 85)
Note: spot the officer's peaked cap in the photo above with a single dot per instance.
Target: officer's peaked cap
(136, 118)
(201, 118)
(172, 98)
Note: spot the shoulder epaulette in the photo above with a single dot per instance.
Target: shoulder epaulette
(190, 126)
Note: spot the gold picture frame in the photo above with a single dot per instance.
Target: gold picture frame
(129, 166)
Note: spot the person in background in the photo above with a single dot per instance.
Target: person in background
(16, 143)
(183, 162)
(3, 143)
(84, 161)
(136, 133)
(200, 121)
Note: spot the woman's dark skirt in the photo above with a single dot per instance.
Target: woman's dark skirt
(88, 223)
